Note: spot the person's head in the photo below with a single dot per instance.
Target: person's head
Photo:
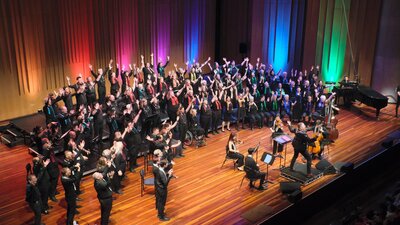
(298, 89)
(35, 160)
(302, 126)
(81, 144)
(64, 109)
(309, 98)
(232, 137)
(32, 179)
(279, 85)
(148, 65)
(346, 78)
(89, 79)
(323, 98)
(250, 151)
(100, 71)
(68, 155)
(156, 130)
(163, 163)
(66, 172)
(106, 154)
(286, 97)
(193, 112)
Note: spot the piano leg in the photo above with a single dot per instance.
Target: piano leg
(377, 113)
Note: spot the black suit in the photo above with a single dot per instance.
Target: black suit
(119, 163)
(161, 181)
(299, 143)
(104, 194)
(70, 196)
(34, 200)
(253, 171)
(43, 183)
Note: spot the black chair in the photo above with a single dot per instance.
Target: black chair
(227, 157)
(145, 182)
(247, 176)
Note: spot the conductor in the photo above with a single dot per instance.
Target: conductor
(253, 171)
(161, 181)
(299, 143)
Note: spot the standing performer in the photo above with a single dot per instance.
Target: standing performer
(34, 199)
(68, 182)
(104, 194)
(299, 143)
(161, 186)
(101, 82)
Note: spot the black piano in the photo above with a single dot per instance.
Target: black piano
(370, 97)
(364, 94)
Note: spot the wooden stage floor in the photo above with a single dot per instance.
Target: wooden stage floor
(204, 193)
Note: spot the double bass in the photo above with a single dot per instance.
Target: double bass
(331, 121)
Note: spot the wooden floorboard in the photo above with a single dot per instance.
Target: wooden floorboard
(204, 193)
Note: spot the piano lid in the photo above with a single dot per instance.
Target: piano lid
(367, 91)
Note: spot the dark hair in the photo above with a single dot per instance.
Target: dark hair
(251, 150)
(163, 163)
(231, 136)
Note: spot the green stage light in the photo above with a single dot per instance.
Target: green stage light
(335, 38)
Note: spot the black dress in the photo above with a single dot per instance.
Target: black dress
(228, 112)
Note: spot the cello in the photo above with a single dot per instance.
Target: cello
(318, 134)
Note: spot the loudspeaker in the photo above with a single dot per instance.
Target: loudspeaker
(326, 167)
(344, 167)
(295, 196)
(289, 187)
(243, 48)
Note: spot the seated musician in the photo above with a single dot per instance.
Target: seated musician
(233, 152)
(253, 171)
(343, 84)
(277, 130)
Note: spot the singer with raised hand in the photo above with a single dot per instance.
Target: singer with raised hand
(102, 185)
(161, 187)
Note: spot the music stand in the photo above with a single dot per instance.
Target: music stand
(268, 159)
(283, 139)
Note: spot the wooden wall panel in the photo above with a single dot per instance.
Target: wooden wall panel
(43, 41)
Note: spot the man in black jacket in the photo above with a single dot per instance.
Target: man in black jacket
(101, 83)
(43, 181)
(252, 170)
(161, 181)
(33, 198)
(102, 185)
(299, 143)
(68, 182)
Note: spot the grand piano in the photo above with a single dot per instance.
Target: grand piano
(364, 94)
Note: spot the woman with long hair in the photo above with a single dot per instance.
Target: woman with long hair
(233, 151)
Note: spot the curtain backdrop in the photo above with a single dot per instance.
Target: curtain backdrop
(43, 41)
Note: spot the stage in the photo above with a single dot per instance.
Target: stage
(204, 193)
